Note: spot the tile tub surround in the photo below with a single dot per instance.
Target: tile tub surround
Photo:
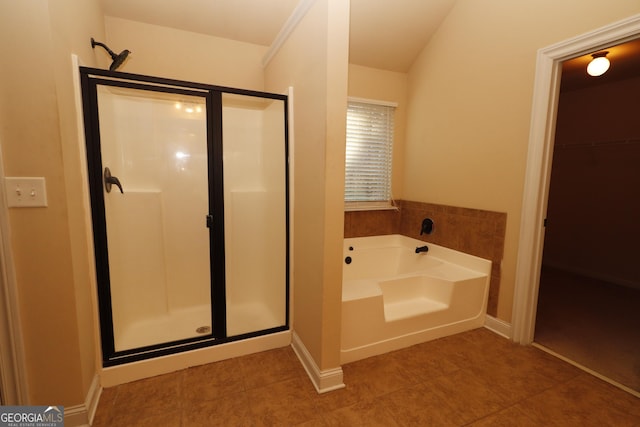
(474, 378)
(473, 231)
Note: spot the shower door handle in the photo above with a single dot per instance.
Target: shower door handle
(110, 180)
(209, 221)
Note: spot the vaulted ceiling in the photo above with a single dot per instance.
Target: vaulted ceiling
(385, 34)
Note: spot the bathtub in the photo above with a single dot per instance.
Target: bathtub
(393, 297)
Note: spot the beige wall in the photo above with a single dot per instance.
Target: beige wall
(170, 53)
(73, 23)
(38, 134)
(319, 76)
(391, 86)
(470, 94)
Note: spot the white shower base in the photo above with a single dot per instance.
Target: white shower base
(182, 324)
(251, 316)
(174, 325)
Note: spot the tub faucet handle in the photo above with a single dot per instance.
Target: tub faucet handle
(421, 249)
(427, 226)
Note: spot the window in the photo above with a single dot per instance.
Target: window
(368, 154)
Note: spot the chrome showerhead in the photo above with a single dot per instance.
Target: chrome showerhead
(117, 59)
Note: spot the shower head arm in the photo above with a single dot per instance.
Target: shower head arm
(94, 43)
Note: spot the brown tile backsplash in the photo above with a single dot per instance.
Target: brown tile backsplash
(371, 223)
(472, 231)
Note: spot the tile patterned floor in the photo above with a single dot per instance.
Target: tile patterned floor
(475, 378)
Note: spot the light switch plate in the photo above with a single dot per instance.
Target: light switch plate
(26, 192)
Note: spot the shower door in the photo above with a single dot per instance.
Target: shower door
(150, 168)
(190, 213)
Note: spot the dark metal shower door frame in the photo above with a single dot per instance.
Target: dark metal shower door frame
(90, 79)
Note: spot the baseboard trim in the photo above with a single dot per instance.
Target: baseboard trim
(93, 398)
(82, 415)
(498, 326)
(323, 381)
(76, 416)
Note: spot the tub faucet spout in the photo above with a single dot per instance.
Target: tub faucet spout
(420, 249)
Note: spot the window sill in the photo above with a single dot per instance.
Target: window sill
(355, 207)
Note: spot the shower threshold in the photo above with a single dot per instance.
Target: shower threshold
(127, 372)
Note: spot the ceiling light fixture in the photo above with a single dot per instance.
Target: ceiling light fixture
(599, 64)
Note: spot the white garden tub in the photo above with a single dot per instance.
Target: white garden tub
(393, 297)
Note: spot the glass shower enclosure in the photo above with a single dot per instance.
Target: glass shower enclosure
(189, 198)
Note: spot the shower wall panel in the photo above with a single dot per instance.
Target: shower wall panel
(274, 175)
(134, 268)
(185, 205)
(255, 246)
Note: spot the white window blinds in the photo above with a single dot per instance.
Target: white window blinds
(368, 152)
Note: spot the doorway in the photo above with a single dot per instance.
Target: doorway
(589, 290)
(189, 200)
(532, 232)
